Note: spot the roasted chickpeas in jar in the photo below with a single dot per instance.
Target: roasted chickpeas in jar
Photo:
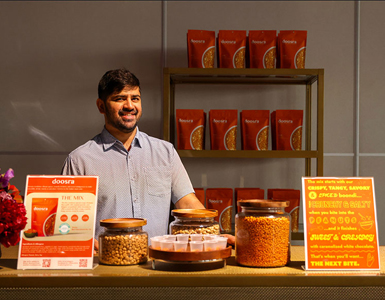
(123, 242)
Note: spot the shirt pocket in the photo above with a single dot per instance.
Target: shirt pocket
(158, 181)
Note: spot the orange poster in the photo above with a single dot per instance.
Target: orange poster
(340, 223)
(61, 223)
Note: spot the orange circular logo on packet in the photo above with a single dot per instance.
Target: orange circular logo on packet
(85, 218)
(299, 59)
(74, 218)
(208, 57)
(239, 58)
(49, 225)
(231, 138)
(196, 138)
(262, 138)
(225, 219)
(63, 218)
(269, 58)
(296, 139)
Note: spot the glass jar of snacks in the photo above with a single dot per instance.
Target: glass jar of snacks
(194, 221)
(123, 242)
(262, 233)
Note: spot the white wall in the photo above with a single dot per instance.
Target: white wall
(54, 53)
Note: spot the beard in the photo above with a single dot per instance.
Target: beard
(119, 123)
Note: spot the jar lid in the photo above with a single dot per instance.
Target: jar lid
(263, 203)
(194, 213)
(123, 222)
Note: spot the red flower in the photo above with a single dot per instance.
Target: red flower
(12, 219)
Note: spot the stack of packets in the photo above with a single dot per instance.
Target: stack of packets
(294, 197)
(263, 49)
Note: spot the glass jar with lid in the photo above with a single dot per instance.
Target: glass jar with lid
(194, 221)
(262, 233)
(123, 242)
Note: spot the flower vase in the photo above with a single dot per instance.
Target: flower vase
(0, 250)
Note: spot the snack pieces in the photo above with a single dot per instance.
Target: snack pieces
(262, 241)
(123, 249)
(294, 198)
(201, 48)
(255, 129)
(176, 229)
(190, 126)
(223, 129)
(286, 128)
(231, 49)
(262, 49)
(292, 49)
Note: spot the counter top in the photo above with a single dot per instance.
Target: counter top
(187, 275)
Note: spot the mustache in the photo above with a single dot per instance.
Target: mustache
(126, 110)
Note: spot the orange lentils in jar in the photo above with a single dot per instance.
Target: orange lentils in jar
(262, 231)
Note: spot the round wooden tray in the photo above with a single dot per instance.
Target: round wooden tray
(189, 256)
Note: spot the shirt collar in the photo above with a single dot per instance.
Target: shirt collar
(109, 140)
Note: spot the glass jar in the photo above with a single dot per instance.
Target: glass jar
(123, 242)
(194, 221)
(262, 233)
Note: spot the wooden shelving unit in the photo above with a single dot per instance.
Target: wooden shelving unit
(306, 77)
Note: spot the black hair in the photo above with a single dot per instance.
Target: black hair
(116, 80)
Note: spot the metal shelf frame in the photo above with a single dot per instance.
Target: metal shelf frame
(306, 77)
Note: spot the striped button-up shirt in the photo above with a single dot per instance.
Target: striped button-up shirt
(139, 183)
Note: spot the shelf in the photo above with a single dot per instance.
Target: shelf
(247, 154)
(243, 76)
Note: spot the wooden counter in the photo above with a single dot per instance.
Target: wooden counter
(169, 281)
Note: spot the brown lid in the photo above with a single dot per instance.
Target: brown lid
(194, 213)
(263, 203)
(123, 222)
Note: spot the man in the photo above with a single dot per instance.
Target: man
(139, 175)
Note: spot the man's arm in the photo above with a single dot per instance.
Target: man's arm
(190, 201)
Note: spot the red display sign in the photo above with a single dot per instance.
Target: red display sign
(340, 224)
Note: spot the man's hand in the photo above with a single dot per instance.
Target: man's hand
(230, 239)
(96, 246)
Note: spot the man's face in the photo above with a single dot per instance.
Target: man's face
(123, 110)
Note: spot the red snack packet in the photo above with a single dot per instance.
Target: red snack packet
(255, 129)
(292, 49)
(223, 129)
(221, 199)
(231, 48)
(201, 48)
(247, 194)
(200, 194)
(262, 50)
(190, 128)
(286, 128)
(44, 215)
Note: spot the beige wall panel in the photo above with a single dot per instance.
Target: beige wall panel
(53, 55)
(372, 87)
(338, 166)
(330, 27)
(374, 167)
